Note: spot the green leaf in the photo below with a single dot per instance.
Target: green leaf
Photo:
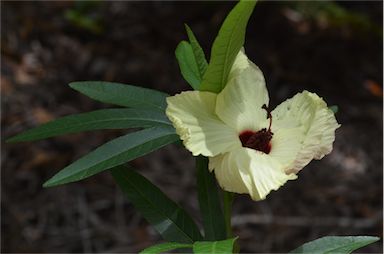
(336, 244)
(162, 247)
(191, 59)
(334, 108)
(202, 247)
(210, 207)
(169, 219)
(218, 247)
(114, 153)
(187, 64)
(226, 46)
(199, 247)
(122, 95)
(95, 120)
(197, 52)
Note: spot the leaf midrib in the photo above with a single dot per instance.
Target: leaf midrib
(224, 77)
(118, 154)
(160, 210)
(118, 119)
(139, 102)
(47, 130)
(83, 172)
(346, 245)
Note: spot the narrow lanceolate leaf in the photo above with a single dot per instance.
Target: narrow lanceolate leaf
(96, 120)
(226, 46)
(336, 244)
(218, 247)
(122, 94)
(165, 247)
(114, 153)
(169, 219)
(210, 207)
(188, 65)
(197, 52)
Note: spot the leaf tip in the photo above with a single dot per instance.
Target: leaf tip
(17, 138)
(73, 84)
(48, 184)
(187, 28)
(52, 182)
(334, 108)
(373, 238)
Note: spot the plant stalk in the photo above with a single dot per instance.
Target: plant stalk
(228, 198)
(227, 205)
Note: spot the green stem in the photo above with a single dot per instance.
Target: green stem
(209, 202)
(227, 204)
(228, 198)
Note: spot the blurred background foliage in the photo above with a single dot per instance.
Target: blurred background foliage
(333, 14)
(86, 15)
(333, 48)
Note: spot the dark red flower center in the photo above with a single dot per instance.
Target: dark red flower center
(259, 140)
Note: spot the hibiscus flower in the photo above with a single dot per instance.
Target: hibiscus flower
(250, 148)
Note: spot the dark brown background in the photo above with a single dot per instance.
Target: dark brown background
(297, 45)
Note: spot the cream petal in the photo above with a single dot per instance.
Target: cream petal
(297, 111)
(227, 173)
(240, 103)
(324, 125)
(192, 114)
(241, 63)
(285, 146)
(308, 112)
(248, 171)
